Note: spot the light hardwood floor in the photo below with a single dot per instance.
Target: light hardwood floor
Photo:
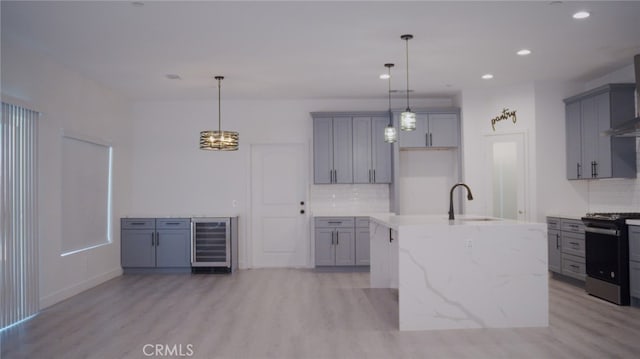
(298, 313)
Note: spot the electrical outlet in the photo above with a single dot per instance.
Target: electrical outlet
(469, 243)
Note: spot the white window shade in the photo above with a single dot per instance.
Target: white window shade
(86, 194)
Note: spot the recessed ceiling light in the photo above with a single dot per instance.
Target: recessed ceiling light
(487, 76)
(173, 76)
(523, 52)
(385, 77)
(581, 15)
(137, 3)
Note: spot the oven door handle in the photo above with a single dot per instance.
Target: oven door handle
(610, 232)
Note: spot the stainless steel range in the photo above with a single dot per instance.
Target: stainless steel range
(607, 255)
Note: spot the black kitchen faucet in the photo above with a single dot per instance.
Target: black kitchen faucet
(469, 197)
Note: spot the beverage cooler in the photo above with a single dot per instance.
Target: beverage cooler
(214, 244)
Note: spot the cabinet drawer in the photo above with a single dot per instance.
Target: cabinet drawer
(573, 244)
(553, 223)
(572, 225)
(137, 223)
(634, 243)
(335, 222)
(573, 266)
(362, 222)
(173, 223)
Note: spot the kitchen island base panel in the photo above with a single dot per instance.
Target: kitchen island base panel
(464, 276)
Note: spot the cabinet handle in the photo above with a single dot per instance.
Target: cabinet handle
(337, 238)
(575, 244)
(335, 176)
(578, 170)
(153, 240)
(557, 241)
(157, 238)
(595, 169)
(374, 176)
(574, 266)
(369, 176)
(430, 139)
(137, 223)
(426, 139)
(172, 223)
(390, 237)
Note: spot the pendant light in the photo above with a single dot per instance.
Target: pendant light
(219, 140)
(390, 133)
(407, 118)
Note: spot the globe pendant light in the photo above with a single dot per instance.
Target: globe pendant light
(390, 133)
(407, 118)
(219, 140)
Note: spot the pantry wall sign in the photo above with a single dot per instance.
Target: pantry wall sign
(505, 115)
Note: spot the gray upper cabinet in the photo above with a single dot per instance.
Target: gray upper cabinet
(371, 155)
(590, 154)
(332, 150)
(439, 129)
(349, 147)
(574, 142)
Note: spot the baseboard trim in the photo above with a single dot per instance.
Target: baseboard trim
(70, 291)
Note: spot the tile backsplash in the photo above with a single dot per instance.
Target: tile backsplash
(349, 197)
(616, 195)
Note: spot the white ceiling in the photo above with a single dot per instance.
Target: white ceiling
(304, 49)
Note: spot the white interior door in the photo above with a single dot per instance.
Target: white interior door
(280, 237)
(507, 181)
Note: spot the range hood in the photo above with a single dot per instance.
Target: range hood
(630, 128)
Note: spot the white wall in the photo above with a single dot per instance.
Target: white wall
(70, 102)
(172, 177)
(425, 179)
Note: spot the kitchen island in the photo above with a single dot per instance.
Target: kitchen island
(473, 272)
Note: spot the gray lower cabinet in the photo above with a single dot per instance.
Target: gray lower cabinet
(433, 129)
(634, 261)
(554, 245)
(566, 247)
(338, 242)
(371, 155)
(587, 115)
(155, 243)
(332, 150)
(362, 242)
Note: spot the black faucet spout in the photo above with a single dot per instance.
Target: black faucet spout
(469, 197)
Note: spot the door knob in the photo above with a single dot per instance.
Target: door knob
(302, 211)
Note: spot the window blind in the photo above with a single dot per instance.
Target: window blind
(18, 213)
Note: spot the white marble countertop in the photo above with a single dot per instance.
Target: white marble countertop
(394, 221)
(633, 222)
(347, 213)
(183, 215)
(576, 216)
